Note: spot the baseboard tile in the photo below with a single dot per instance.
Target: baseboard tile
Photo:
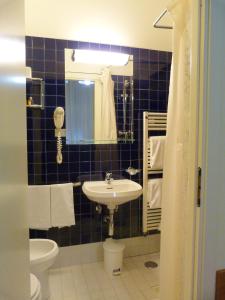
(90, 253)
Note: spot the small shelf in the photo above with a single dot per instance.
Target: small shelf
(33, 79)
(35, 90)
(77, 184)
(155, 172)
(35, 106)
(126, 140)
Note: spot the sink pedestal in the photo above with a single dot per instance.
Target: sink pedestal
(111, 222)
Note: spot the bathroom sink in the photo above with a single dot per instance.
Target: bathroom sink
(113, 194)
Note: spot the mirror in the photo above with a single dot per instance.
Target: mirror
(99, 97)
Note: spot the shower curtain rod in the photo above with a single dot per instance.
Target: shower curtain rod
(155, 24)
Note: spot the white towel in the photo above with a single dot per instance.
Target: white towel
(155, 193)
(157, 145)
(39, 206)
(62, 207)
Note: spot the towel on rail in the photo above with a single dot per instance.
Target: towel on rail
(39, 206)
(155, 193)
(157, 145)
(62, 207)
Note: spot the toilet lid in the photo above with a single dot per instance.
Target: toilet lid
(34, 286)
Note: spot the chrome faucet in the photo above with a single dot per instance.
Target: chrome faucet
(108, 178)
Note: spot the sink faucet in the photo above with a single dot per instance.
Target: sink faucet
(108, 178)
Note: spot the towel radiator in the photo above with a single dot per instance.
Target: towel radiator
(152, 123)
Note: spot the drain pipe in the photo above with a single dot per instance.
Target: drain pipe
(111, 222)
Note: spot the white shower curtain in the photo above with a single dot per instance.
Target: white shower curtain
(108, 114)
(177, 229)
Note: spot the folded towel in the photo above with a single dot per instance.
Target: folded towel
(62, 207)
(155, 193)
(157, 145)
(39, 206)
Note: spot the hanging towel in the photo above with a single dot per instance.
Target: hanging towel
(62, 207)
(39, 206)
(157, 145)
(155, 193)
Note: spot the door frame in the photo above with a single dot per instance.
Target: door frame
(210, 255)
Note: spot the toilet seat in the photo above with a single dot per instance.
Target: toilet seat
(35, 288)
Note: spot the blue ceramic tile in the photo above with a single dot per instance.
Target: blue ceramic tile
(49, 76)
(61, 45)
(60, 56)
(38, 42)
(94, 46)
(154, 56)
(104, 47)
(144, 55)
(50, 66)
(50, 43)
(115, 48)
(28, 41)
(60, 68)
(38, 54)
(60, 90)
(50, 55)
(151, 84)
(38, 66)
(83, 45)
(61, 101)
(50, 89)
(72, 44)
(29, 55)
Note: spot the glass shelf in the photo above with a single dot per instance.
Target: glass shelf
(35, 106)
(35, 90)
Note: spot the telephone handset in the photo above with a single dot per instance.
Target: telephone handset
(59, 121)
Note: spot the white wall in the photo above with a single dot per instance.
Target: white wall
(14, 254)
(121, 22)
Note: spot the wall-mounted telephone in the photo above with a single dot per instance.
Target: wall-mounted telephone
(59, 121)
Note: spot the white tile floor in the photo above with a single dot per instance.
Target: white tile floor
(90, 282)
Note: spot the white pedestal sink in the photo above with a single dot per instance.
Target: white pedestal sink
(112, 194)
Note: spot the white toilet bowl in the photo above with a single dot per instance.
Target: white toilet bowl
(35, 288)
(43, 253)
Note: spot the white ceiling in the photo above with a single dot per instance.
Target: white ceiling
(121, 22)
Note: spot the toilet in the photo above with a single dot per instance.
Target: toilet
(43, 253)
(35, 288)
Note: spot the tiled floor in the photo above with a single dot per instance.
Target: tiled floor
(90, 282)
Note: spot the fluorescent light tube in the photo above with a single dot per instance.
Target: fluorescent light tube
(86, 82)
(100, 57)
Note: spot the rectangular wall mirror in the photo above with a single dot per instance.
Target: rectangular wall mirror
(99, 97)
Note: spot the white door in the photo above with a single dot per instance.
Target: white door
(212, 216)
(14, 258)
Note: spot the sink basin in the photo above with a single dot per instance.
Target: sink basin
(113, 194)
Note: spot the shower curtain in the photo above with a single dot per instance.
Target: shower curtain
(178, 203)
(108, 113)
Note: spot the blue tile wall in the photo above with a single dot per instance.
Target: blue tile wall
(151, 85)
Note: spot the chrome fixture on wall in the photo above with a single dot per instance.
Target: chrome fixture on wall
(132, 171)
(59, 121)
(132, 109)
(156, 23)
(127, 97)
